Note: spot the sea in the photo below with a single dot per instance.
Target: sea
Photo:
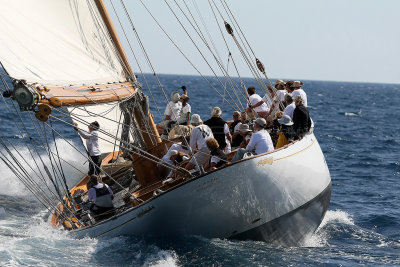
(357, 126)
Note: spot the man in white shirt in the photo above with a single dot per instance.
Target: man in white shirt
(298, 91)
(256, 102)
(260, 141)
(290, 106)
(163, 171)
(92, 145)
(198, 137)
(184, 116)
(172, 113)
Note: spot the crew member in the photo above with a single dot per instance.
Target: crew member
(92, 145)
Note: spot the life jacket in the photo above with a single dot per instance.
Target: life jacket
(103, 197)
(238, 139)
(217, 127)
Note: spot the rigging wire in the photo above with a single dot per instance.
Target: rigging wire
(136, 59)
(183, 54)
(202, 55)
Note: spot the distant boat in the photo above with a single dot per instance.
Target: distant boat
(64, 58)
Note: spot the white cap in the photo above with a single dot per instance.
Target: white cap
(261, 122)
(175, 96)
(173, 153)
(195, 119)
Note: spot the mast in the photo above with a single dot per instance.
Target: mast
(148, 137)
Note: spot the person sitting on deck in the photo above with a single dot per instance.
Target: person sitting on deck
(100, 195)
(260, 141)
(172, 113)
(286, 133)
(92, 145)
(234, 130)
(164, 171)
(301, 118)
(256, 103)
(220, 129)
(218, 157)
(246, 133)
(198, 138)
(290, 106)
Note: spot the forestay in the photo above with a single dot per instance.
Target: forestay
(63, 42)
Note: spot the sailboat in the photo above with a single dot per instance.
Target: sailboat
(64, 58)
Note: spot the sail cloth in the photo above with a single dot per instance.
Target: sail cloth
(57, 42)
(108, 116)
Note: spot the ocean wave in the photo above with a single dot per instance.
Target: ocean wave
(337, 137)
(321, 236)
(33, 166)
(351, 114)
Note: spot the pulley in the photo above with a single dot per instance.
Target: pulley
(25, 95)
(260, 65)
(44, 108)
(40, 115)
(228, 28)
(55, 102)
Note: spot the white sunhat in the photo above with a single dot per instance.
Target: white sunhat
(173, 153)
(286, 120)
(195, 119)
(261, 122)
(175, 96)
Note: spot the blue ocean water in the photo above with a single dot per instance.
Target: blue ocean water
(357, 127)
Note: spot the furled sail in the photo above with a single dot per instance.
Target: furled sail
(59, 43)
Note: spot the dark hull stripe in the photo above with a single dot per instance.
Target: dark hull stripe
(293, 227)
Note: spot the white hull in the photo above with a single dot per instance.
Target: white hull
(281, 196)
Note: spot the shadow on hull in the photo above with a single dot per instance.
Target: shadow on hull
(294, 227)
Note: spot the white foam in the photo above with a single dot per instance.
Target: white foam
(3, 213)
(12, 186)
(358, 114)
(336, 216)
(320, 237)
(162, 258)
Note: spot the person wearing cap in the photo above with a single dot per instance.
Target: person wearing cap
(286, 133)
(288, 86)
(184, 117)
(172, 113)
(220, 129)
(218, 157)
(260, 141)
(301, 118)
(181, 149)
(234, 130)
(198, 137)
(280, 90)
(245, 132)
(256, 102)
(290, 106)
(100, 196)
(299, 91)
(92, 145)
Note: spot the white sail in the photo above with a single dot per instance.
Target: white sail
(57, 42)
(110, 120)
